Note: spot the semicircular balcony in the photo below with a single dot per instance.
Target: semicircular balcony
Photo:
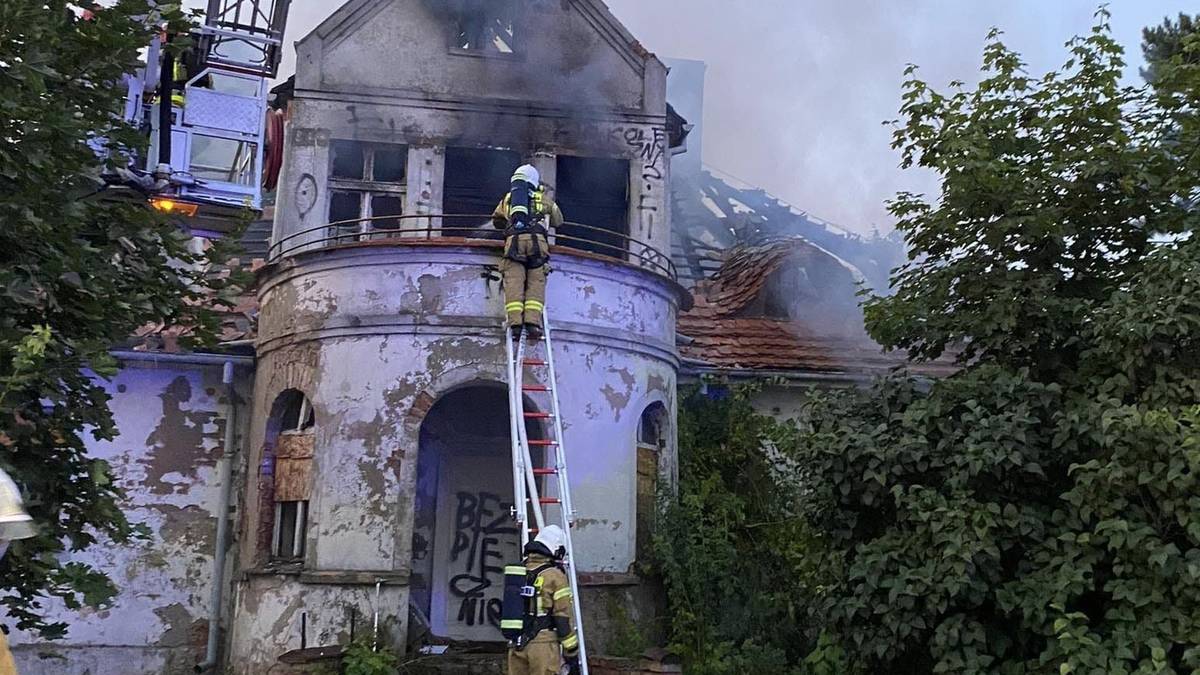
(572, 239)
(436, 272)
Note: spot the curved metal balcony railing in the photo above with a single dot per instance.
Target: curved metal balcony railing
(572, 237)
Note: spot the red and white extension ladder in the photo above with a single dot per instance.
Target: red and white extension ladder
(551, 504)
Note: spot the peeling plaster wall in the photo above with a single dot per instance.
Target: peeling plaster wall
(383, 72)
(568, 49)
(374, 336)
(172, 419)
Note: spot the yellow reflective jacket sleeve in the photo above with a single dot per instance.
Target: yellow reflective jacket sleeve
(556, 216)
(500, 215)
(556, 595)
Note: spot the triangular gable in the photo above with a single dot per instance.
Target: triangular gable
(356, 13)
(613, 48)
(345, 20)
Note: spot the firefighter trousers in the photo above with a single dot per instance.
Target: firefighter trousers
(542, 656)
(524, 288)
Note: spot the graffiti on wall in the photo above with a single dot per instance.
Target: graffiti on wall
(484, 534)
(650, 147)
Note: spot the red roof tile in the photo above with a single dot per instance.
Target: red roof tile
(719, 332)
(238, 323)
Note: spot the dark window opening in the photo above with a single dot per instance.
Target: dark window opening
(297, 413)
(345, 206)
(291, 520)
(476, 180)
(348, 160)
(390, 165)
(386, 205)
(367, 181)
(593, 194)
(650, 430)
(486, 26)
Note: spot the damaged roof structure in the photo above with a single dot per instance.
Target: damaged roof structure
(783, 306)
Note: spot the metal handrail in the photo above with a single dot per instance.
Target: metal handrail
(346, 232)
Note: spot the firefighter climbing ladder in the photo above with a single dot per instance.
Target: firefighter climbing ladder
(553, 473)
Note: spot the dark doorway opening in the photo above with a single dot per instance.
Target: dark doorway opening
(463, 533)
(477, 178)
(593, 193)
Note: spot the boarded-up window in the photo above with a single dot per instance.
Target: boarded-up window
(293, 481)
(293, 465)
(651, 438)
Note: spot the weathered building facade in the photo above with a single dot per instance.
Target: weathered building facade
(371, 456)
(371, 447)
(408, 119)
(172, 411)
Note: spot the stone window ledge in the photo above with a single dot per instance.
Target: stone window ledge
(333, 577)
(609, 579)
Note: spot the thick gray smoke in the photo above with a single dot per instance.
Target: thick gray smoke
(796, 91)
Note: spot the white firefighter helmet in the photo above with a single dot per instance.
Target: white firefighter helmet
(15, 523)
(554, 539)
(528, 173)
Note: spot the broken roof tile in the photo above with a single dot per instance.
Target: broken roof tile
(720, 335)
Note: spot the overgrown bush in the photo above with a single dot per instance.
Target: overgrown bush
(740, 567)
(1039, 510)
(361, 659)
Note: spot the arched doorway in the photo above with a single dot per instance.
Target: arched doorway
(463, 533)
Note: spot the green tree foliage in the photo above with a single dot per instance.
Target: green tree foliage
(78, 273)
(1168, 43)
(739, 563)
(362, 659)
(1039, 511)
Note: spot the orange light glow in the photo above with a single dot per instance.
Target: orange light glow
(174, 207)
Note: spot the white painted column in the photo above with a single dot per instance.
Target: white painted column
(302, 202)
(546, 162)
(426, 177)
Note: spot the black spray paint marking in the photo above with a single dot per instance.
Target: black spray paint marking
(651, 148)
(481, 524)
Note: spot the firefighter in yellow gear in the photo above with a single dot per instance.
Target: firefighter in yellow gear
(524, 214)
(552, 641)
(15, 523)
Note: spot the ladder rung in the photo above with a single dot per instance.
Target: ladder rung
(534, 362)
(549, 500)
(545, 472)
(535, 530)
(535, 387)
(542, 443)
(538, 415)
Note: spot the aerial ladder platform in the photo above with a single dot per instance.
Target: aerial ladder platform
(541, 491)
(215, 145)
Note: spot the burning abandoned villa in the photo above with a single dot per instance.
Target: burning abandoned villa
(344, 459)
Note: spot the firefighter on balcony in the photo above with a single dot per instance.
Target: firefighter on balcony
(523, 215)
(536, 617)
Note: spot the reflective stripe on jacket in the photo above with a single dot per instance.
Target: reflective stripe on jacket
(555, 601)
